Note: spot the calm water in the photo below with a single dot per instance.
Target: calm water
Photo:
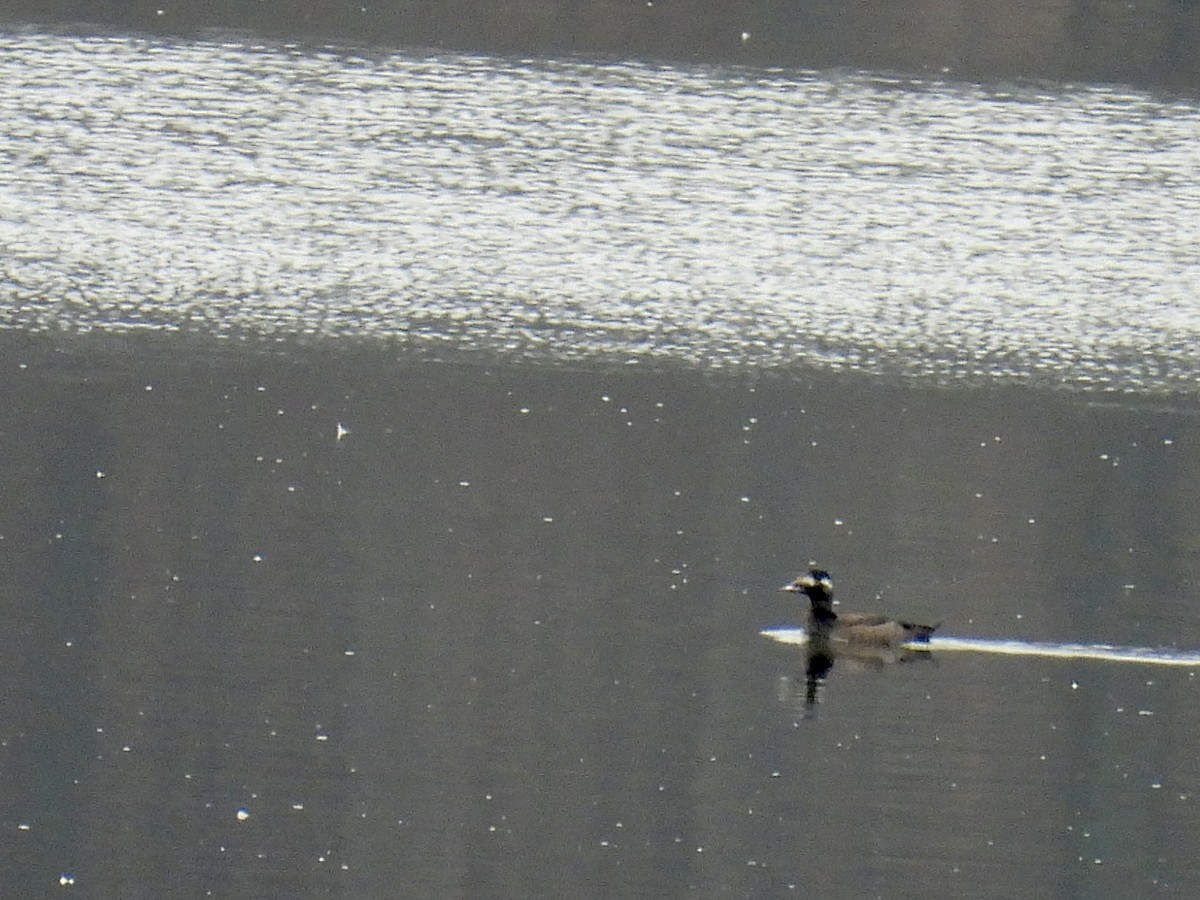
(502, 638)
(423, 589)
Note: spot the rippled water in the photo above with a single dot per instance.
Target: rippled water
(575, 210)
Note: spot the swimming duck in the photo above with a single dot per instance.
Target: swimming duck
(853, 628)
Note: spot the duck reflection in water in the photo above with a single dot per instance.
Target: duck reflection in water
(866, 638)
(821, 653)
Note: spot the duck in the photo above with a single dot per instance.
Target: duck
(859, 629)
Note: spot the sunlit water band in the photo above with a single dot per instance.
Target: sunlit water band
(1156, 656)
(575, 211)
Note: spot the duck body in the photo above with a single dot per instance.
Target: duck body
(864, 629)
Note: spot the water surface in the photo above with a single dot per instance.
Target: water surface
(502, 637)
(401, 454)
(567, 210)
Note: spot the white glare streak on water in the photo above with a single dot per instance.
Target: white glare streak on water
(1108, 652)
(566, 210)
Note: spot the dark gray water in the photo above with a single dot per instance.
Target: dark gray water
(1151, 42)
(400, 458)
(502, 637)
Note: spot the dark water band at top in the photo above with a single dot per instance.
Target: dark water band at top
(1157, 656)
(1107, 41)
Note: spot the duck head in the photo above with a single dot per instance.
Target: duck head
(816, 585)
